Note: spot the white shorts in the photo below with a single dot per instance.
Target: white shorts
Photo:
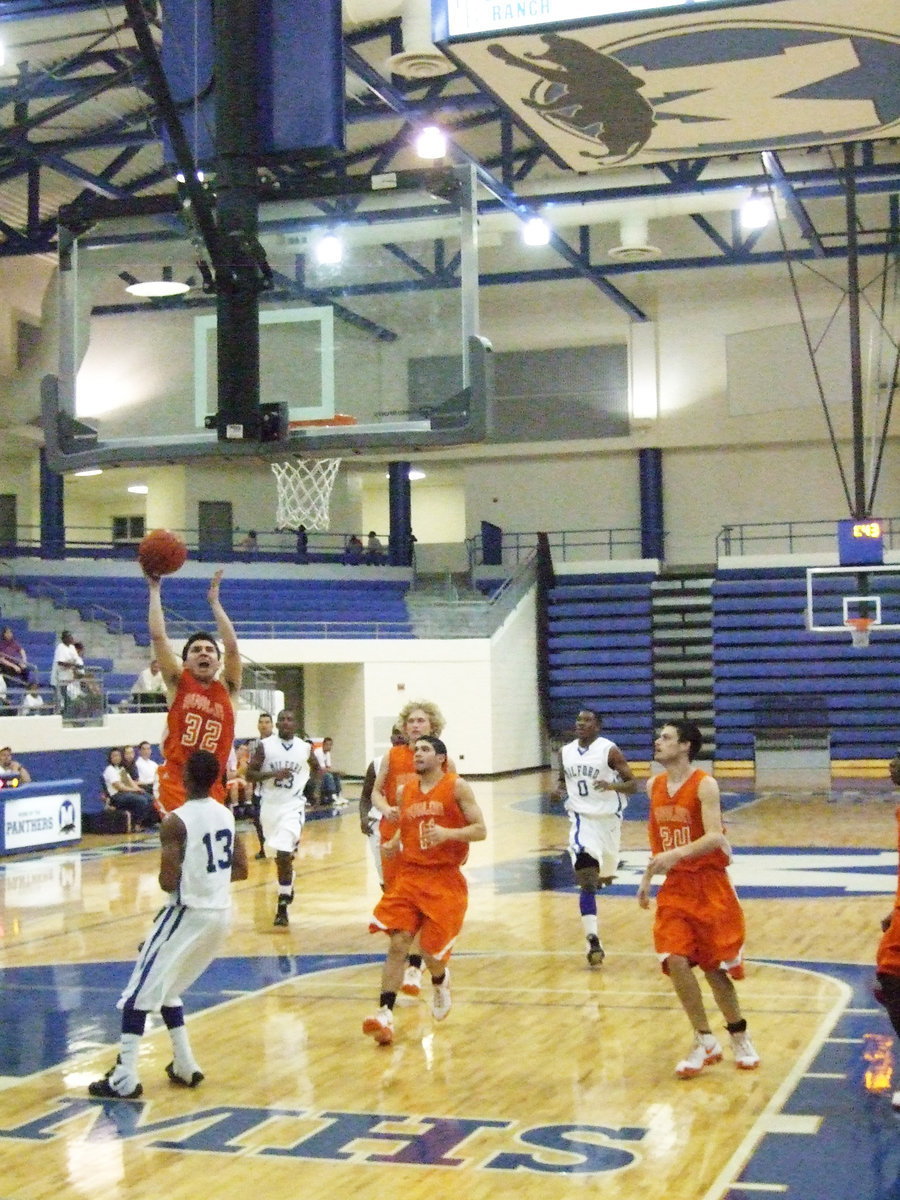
(600, 837)
(282, 825)
(181, 944)
(374, 840)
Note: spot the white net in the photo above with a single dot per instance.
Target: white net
(859, 630)
(304, 492)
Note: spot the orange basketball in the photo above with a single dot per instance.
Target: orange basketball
(161, 552)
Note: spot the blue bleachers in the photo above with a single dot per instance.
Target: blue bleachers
(600, 652)
(761, 647)
(280, 608)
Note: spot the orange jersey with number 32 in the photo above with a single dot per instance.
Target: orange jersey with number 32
(201, 718)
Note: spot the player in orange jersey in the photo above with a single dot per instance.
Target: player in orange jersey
(699, 922)
(438, 819)
(201, 705)
(888, 961)
(418, 718)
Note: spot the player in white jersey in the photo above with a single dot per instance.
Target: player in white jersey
(200, 857)
(281, 765)
(594, 780)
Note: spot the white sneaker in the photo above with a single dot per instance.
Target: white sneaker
(380, 1026)
(745, 1057)
(705, 1051)
(440, 997)
(412, 981)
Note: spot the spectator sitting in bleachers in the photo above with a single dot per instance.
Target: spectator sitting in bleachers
(148, 692)
(125, 793)
(32, 704)
(146, 768)
(10, 769)
(239, 787)
(13, 661)
(353, 551)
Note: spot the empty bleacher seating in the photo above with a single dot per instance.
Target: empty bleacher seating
(259, 608)
(762, 651)
(600, 652)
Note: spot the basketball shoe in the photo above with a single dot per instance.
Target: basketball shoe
(440, 997)
(745, 1056)
(704, 1052)
(116, 1085)
(412, 981)
(595, 952)
(189, 1079)
(380, 1026)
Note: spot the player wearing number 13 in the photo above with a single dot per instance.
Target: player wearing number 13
(281, 765)
(201, 706)
(200, 856)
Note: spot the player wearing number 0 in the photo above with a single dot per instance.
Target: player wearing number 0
(200, 857)
(595, 781)
(281, 765)
(201, 706)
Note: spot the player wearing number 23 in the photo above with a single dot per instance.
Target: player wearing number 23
(201, 705)
(200, 856)
(281, 765)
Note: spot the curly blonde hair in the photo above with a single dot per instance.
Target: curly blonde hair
(431, 711)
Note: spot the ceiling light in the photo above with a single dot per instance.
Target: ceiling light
(138, 489)
(155, 289)
(413, 474)
(535, 232)
(329, 250)
(756, 213)
(431, 142)
(87, 472)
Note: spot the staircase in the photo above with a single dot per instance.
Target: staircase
(681, 615)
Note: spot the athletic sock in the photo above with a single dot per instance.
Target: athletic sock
(737, 1026)
(387, 1000)
(414, 960)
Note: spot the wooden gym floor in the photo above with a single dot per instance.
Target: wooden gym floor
(548, 1079)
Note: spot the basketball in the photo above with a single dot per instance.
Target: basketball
(161, 552)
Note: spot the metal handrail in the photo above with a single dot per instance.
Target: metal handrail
(790, 536)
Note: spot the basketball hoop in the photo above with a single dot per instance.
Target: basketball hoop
(304, 492)
(859, 629)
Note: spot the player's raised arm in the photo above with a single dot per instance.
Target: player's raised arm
(232, 670)
(169, 664)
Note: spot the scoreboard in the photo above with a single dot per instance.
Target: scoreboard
(860, 543)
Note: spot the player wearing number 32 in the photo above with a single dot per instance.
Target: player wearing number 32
(594, 780)
(201, 706)
(281, 765)
(200, 855)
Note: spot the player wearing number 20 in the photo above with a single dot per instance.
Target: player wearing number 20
(200, 856)
(201, 705)
(281, 765)
(594, 780)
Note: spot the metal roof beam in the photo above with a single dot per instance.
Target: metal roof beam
(508, 199)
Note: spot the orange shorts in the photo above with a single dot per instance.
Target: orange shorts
(698, 916)
(888, 957)
(430, 901)
(171, 793)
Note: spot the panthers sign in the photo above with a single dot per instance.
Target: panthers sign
(707, 81)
